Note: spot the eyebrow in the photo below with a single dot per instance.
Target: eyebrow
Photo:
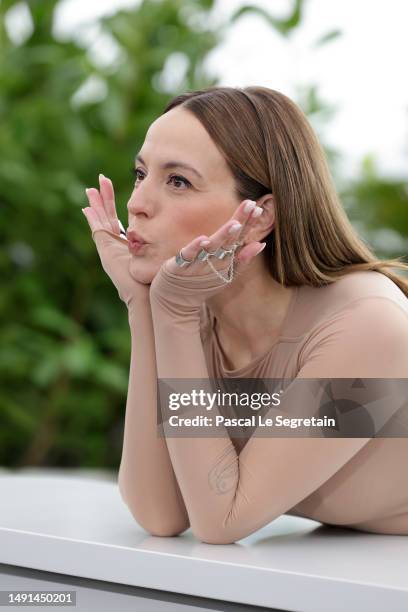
(172, 164)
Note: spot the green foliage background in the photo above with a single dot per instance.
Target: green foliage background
(65, 345)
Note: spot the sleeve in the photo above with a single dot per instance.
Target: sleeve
(230, 496)
(146, 477)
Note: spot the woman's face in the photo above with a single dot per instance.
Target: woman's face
(169, 207)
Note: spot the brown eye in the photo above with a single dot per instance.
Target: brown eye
(136, 171)
(140, 174)
(182, 179)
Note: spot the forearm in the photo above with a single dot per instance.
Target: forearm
(207, 468)
(146, 478)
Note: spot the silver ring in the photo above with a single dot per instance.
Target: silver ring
(221, 252)
(204, 255)
(180, 261)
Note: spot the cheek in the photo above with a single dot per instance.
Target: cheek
(188, 225)
(185, 222)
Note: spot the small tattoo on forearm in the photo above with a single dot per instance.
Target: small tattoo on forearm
(224, 475)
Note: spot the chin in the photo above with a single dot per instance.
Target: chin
(143, 271)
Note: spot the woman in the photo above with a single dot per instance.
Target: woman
(315, 304)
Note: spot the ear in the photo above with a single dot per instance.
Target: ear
(263, 225)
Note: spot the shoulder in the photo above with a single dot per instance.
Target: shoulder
(355, 326)
(316, 305)
(365, 284)
(369, 302)
(369, 335)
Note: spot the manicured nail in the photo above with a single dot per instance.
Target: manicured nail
(101, 175)
(250, 205)
(205, 242)
(262, 248)
(234, 228)
(257, 212)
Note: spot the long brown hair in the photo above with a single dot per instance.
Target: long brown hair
(270, 147)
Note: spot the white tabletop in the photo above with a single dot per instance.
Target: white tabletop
(80, 527)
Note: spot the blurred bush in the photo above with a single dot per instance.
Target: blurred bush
(65, 346)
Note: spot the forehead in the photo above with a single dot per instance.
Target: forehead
(178, 133)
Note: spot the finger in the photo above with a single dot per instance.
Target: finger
(229, 234)
(246, 211)
(236, 229)
(249, 252)
(96, 203)
(248, 214)
(191, 250)
(226, 236)
(93, 219)
(108, 199)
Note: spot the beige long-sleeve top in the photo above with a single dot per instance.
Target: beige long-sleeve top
(355, 327)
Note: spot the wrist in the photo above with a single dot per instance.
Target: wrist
(174, 319)
(139, 307)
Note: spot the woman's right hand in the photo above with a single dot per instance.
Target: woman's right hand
(112, 247)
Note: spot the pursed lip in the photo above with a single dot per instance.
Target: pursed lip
(135, 239)
(135, 247)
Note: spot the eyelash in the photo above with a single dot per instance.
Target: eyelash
(187, 183)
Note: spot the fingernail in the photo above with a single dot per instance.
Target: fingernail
(101, 175)
(205, 242)
(86, 191)
(262, 247)
(257, 212)
(234, 228)
(83, 210)
(249, 206)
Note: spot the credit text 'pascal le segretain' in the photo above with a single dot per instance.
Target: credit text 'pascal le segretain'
(255, 420)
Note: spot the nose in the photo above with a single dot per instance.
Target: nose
(139, 204)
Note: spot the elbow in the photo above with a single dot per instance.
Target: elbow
(156, 524)
(154, 521)
(165, 527)
(214, 535)
(224, 531)
(214, 538)
(165, 530)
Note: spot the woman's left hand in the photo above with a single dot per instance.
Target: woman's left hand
(181, 288)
